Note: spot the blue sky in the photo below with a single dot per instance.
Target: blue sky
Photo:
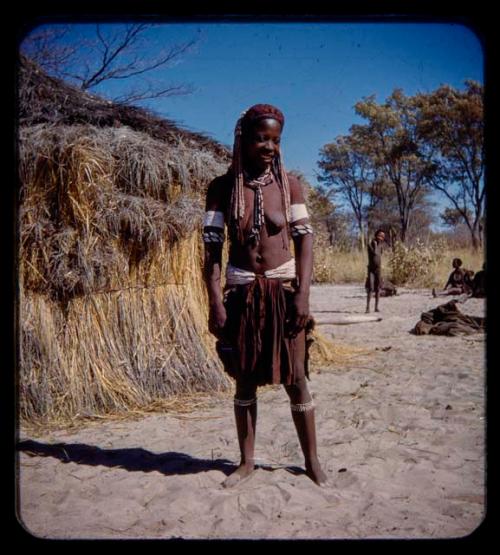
(314, 72)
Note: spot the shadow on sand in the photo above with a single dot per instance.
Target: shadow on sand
(133, 459)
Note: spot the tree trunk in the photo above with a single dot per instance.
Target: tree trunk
(331, 238)
(361, 235)
(402, 233)
(475, 240)
(476, 235)
(362, 242)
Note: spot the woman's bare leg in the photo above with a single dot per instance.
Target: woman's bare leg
(245, 412)
(446, 292)
(303, 418)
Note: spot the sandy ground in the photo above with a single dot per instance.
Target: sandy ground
(401, 435)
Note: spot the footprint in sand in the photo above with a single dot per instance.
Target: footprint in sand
(344, 479)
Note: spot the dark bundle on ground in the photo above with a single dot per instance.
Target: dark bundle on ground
(388, 289)
(112, 308)
(447, 319)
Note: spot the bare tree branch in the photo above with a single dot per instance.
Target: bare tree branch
(110, 55)
(119, 56)
(136, 95)
(45, 47)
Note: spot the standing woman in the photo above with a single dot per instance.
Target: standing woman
(261, 319)
(374, 279)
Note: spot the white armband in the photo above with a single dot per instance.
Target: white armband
(298, 212)
(213, 218)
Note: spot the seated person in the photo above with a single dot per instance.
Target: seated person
(457, 281)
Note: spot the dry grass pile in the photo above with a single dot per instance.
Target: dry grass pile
(324, 352)
(112, 308)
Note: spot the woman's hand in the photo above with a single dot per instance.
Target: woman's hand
(300, 313)
(217, 319)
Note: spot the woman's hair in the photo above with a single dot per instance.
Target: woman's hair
(457, 261)
(243, 126)
(258, 112)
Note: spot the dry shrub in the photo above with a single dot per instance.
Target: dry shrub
(416, 264)
(429, 265)
(332, 265)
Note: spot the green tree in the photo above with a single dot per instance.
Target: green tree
(382, 209)
(349, 173)
(451, 126)
(391, 141)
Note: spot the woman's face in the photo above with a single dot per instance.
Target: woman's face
(262, 143)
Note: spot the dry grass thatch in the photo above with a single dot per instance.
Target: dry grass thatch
(97, 204)
(113, 352)
(112, 308)
(43, 99)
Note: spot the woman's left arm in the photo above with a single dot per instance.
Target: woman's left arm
(301, 231)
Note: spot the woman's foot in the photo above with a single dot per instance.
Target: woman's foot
(315, 472)
(241, 473)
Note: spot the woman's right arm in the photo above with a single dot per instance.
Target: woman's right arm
(213, 238)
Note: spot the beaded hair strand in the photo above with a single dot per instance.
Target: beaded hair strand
(237, 209)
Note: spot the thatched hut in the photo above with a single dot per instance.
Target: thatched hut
(112, 309)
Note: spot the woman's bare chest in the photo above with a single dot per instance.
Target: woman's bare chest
(272, 206)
